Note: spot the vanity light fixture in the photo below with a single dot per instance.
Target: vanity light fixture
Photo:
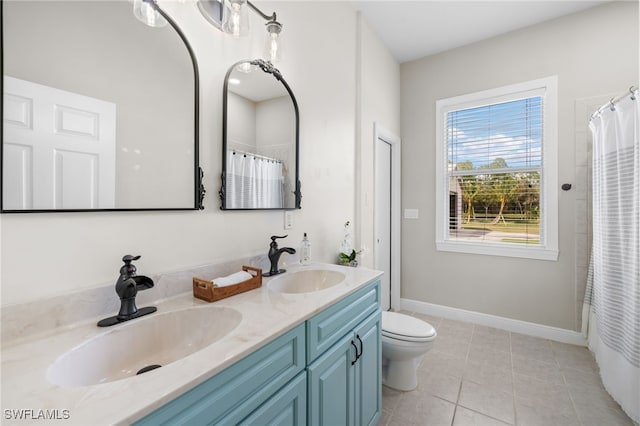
(147, 12)
(232, 17)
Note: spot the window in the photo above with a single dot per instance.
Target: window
(496, 168)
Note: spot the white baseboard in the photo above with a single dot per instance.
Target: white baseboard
(529, 328)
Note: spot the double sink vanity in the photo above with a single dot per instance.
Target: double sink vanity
(302, 349)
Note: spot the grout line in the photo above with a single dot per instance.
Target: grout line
(513, 381)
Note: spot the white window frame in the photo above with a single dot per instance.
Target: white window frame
(548, 249)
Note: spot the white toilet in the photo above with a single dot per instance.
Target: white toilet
(405, 340)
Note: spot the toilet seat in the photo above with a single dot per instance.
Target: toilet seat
(405, 328)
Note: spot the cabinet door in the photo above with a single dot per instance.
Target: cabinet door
(288, 407)
(331, 381)
(368, 372)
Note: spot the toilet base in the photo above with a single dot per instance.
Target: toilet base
(401, 375)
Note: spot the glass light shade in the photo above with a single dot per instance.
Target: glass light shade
(273, 42)
(145, 12)
(245, 67)
(235, 18)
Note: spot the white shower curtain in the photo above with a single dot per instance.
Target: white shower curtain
(253, 182)
(612, 301)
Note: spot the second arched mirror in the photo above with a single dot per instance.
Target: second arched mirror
(260, 139)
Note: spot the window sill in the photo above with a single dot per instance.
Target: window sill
(499, 249)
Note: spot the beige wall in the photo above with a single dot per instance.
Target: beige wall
(379, 101)
(49, 254)
(594, 52)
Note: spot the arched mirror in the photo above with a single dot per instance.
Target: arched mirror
(100, 112)
(260, 139)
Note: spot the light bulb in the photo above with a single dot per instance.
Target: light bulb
(273, 42)
(273, 47)
(236, 19)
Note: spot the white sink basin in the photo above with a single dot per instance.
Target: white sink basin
(157, 339)
(307, 281)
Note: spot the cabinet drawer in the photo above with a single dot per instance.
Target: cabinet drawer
(326, 328)
(234, 393)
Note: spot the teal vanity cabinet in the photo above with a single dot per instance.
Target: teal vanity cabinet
(252, 387)
(325, 371)
(344, 355)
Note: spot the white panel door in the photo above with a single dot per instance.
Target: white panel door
(59, 149)
(382, 218)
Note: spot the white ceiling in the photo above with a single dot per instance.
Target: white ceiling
(419, 28)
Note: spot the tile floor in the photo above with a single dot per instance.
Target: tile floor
(477, 375)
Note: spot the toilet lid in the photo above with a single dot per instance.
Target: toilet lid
(403, 327)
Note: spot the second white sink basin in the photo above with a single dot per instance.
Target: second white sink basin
(157, 339)
(307, 281)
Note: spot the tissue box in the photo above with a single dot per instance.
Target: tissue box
(206, 290)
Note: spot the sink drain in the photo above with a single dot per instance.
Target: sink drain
(148, 368)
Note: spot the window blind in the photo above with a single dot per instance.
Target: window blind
(494, 156)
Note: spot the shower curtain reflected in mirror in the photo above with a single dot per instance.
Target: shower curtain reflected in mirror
(611, 314)
(253, 182)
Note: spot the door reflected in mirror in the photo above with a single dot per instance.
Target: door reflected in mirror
(99, 110)
(260, 139)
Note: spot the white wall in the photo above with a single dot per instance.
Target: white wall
(379, 101)
(241, 123)
(49, 254)
(593, 53)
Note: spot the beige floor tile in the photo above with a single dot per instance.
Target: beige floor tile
(487, 401)
(452, 345)
(434, 321)
(581, 378)
(548, 383)
(494, 342)
(457, 329)
(530, 388)
(536, 414)
(524, 339)
(435, 383)
(384, 418)
(420, 408)
(465, 417)
(565, 347)
(488, 356)
(494, 377)
(580, 359)
(594, 415)
(545, 371)
(444, 363)
(592, 396)
(489, 331)
(390, 398)
(531, 347)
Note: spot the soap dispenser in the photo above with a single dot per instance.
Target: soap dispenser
(305, 250)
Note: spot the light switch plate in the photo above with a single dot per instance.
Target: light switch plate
(411, 213)
(288, 220)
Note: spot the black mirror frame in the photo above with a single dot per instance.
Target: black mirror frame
(267, 67)
(199, 190)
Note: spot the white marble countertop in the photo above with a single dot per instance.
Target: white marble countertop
(266, 315)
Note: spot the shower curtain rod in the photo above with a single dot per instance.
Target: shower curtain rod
(633, 91)
(262, 157)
